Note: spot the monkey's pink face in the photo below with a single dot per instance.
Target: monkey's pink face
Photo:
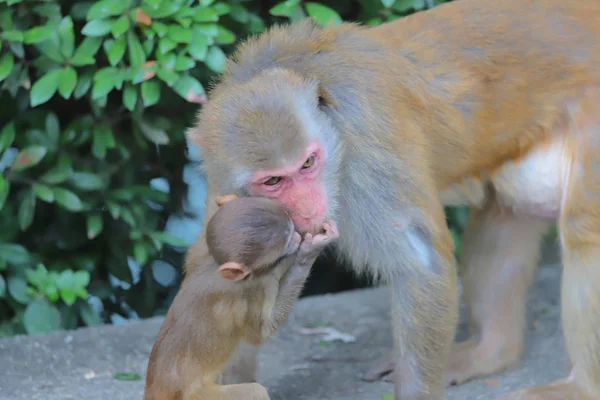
(299, 187)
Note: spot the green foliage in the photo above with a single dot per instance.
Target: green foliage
(95, 97)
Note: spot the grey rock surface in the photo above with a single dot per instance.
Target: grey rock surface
(294, 365)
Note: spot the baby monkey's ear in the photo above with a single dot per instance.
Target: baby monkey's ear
(221, 200)
(233, 271)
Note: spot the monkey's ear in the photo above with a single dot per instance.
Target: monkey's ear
(222, 200)
(233, 271)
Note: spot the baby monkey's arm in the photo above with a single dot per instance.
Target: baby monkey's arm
(292, 282)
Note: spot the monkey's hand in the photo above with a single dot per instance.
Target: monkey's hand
(311, 246)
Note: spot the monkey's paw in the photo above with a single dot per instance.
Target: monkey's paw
(474, 359)
(319, 241)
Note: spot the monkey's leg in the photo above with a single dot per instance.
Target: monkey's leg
(580, 297)
(500, 255)
(424, 312)
(242, 366)
(242, 391)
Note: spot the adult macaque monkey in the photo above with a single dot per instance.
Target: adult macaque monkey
(495, 104)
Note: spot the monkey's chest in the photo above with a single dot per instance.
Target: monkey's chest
(532, 185)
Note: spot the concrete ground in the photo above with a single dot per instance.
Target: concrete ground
(294, 364)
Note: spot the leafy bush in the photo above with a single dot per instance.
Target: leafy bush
(94, 100)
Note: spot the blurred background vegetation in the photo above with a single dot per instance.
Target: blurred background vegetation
(97, 198)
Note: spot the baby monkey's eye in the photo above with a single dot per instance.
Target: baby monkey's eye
(274, 180)
(309, 162)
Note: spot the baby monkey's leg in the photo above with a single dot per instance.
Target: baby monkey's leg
(242, 391)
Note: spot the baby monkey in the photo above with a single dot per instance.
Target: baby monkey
(243, 289)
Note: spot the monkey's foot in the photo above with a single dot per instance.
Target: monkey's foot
(473, 359)
(383, 370)
(566, 389)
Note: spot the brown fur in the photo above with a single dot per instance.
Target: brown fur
(211, 315)
(494, 104)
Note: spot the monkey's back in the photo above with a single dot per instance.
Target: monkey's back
(501, 73)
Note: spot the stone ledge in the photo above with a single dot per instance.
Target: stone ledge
(294, 365)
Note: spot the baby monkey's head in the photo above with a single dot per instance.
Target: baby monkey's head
(250, 234)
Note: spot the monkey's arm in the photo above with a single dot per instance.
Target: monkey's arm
(292, 282)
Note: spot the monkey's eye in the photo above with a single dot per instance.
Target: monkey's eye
(274, 180)
(310, 161)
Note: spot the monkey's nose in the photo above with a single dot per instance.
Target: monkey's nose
(306, 208)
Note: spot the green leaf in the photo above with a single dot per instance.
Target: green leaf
(160, 28)
(323, 15)
(165, 45)
(115, 50)
(7, 136)
(150, 92)
(43, 192)
(215, 59)
(51, 49)
(38, 34)
(94, 225)
(153, 133)
(18, 49)
(67, 199)
(208, 30)
(190, 89)
(169, 239)
(17, 288)
(97, 27)
(68, 81)
(139, 253)
(239, 13)
(13, 253)
(84, 82)
(45, 87)
(167, 76)
(183, 63)
(198, 48)
(89, 315)
(285, 8)
(2, 287)
(26, 210)
(105, 81)
(125, 376)
(129, 97)
(388, 4)
(120, 26)
(403, 5)
(28, 157)
(67, 37)
(86, 181)
(179, 34)
(222, 8)
(84, 55)
(52, 127)
(165, 9)
(206, 15)
(60, 172)
(41, 317)
(4, 190)
(136, 52)
(12, 36)
(6, 63)
(106, 8)
(225, 36)
(103, 140)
